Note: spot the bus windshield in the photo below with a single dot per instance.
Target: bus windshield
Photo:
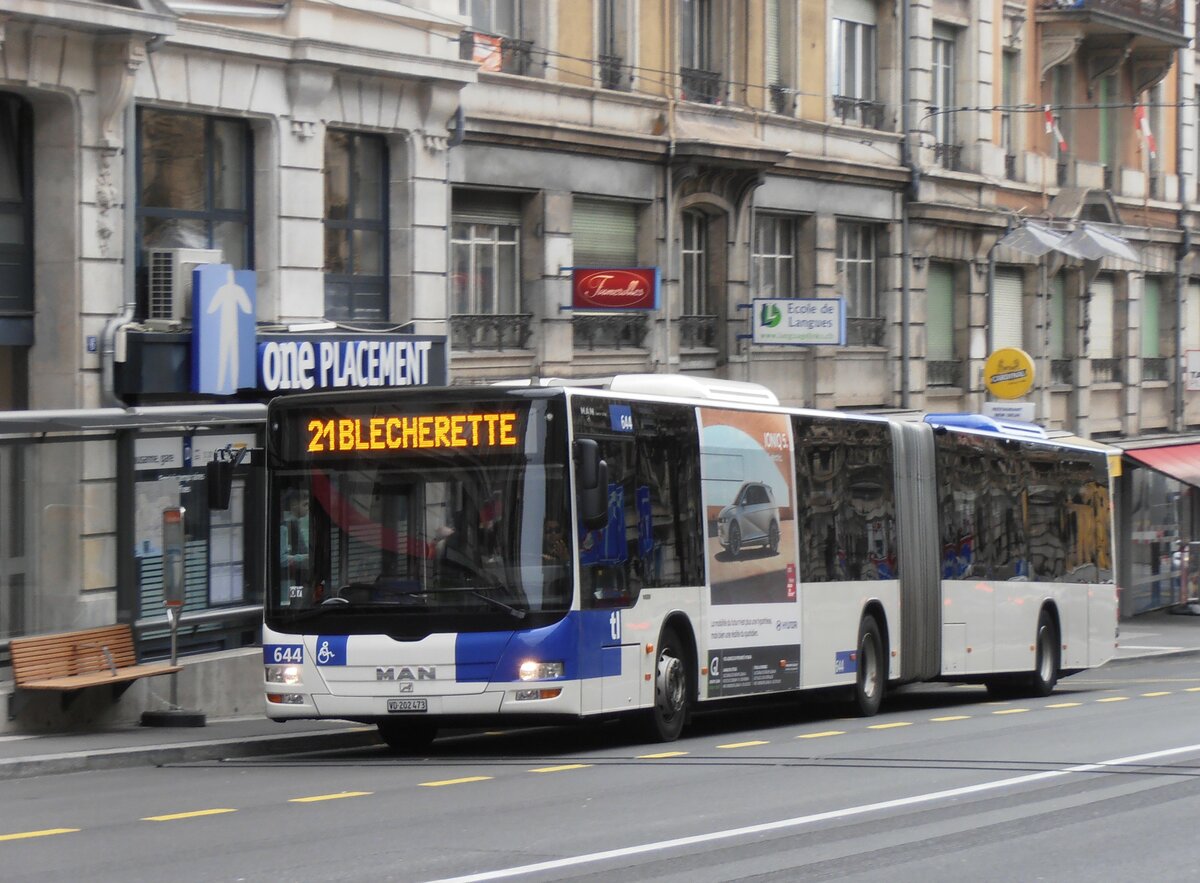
(452, 514)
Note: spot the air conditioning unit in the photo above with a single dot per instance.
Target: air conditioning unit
(169, 273)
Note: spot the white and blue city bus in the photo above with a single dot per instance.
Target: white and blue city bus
(550, 552)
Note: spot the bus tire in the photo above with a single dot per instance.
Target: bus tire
(1048, 658)
(672, 691)
(407, 736)
(871, 678)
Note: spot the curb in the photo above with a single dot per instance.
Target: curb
(184, 752)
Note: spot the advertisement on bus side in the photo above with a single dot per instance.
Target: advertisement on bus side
(748, 487)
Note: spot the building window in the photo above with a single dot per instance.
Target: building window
(356, 184)
(604, 234)
(942, 368)
(1154, 366)
(194, 183)
(854, 71)
(946, 148)
(16, 250)
(1098, 330)
(698, 319)
(776, 53)
(700, 80)
(775, 256)
(1009, 90)
(1008, 312)
(485, 287)
(499, 17)
(613, 44)
(856, 281)
(494, 41)
(1056, 318)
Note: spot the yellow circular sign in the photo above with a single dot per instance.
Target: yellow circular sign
(1008, 373)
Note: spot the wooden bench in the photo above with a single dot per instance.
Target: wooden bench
(70, 661)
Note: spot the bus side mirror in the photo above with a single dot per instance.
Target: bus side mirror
(591, 484)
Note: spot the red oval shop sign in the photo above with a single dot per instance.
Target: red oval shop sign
(626, 289)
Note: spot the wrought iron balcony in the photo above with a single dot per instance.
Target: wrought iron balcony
(699, 85)
(858, 111)
(783, 99)
(1154, 368)
(1106, 370)
(941, 372)
(697, 332)
(1062, 173)
(1010, 166)
(1062, 372)
(516, 56)
(864, 331)
(948, 156)
(608, 330)
(612, 72)
(490, 331)
(1166, 15)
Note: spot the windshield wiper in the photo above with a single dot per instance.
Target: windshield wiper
(495, 602)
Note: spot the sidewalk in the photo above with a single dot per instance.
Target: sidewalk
(1153, 634)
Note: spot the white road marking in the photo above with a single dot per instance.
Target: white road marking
(799, 821)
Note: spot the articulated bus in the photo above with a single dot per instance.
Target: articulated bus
(638, 546)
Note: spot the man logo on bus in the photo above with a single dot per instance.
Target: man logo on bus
(404, 673)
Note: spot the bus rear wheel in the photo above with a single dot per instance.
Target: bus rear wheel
(1045, 673)
(872, 675)
(407, 736)
(672, 693)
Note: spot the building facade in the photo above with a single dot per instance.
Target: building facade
(431, 177)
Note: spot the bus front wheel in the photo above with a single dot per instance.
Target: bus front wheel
(872, 675)
(407, 736)
(672, 696)
(1045, 673)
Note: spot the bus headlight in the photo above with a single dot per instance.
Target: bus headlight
(532, 670)
(283, 674)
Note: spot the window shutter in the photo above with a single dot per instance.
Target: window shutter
(1100, 320)
(773, 32)
(939, 312)
(1151, 301)
(1193, 316)
(1008, 318)
(604, 233)
(484, 208)
(1058, 317)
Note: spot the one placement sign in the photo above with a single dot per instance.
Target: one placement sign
(817, 321)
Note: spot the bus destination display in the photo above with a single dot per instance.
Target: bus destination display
(476, 431)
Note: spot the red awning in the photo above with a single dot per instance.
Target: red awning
(1181, 462)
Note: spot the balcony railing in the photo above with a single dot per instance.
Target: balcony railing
(1062, 173)
(1166, 14)
(1062, 372)
(948, 156)
(864, 331)
(516, 56)
(944, 372)
(698, 85)
(1154, 368)
(1106, 370)
(697, 332)
(858, 111)
(490, 331)
(1010, 166)
(783, 100)
(612, 72)
(608, 330)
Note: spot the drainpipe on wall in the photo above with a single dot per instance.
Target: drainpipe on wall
(668, 202)
(1181, 257)
(910, 194)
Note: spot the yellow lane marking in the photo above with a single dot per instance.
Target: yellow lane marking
(559, 769)
(319, 797)
(661, 755)
(744, 744)
(1065, 705)
(951, 717)
(821, 735)
(455, 781)
(1158, 693)
(25, 835)
(1011, 711)
(890, 726)
(1113, 699)
(1191, 690)
(187, 815)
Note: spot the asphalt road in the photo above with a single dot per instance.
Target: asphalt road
(1100, 781)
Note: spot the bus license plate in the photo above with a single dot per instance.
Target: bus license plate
(403, 705)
